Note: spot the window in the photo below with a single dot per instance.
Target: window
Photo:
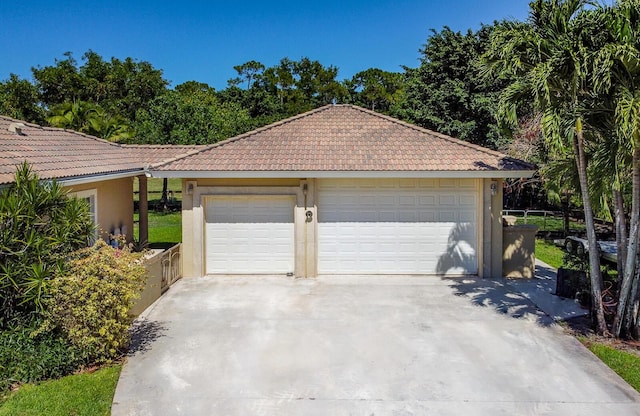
(91, 196)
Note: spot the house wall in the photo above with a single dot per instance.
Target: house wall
(194, 192)
(114, 203)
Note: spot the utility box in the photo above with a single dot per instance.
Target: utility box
(519, 250)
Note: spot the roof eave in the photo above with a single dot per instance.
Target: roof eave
(98, 177)
(193, 174)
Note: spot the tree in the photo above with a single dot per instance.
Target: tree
(447, 93)
(59, 83)
(617, 76)
(548, 56)
(286, 89)
(19, 99)
(75, 115)
(376, 89)
(259, 98)
(120, 87)
(249, 71)
(90, 118)
(39, 228)
(192, 118)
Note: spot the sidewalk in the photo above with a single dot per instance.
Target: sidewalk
(540, 290)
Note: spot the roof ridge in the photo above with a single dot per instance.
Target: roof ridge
(245, 135)
(175, 158)
(425, 130)
(51, 128)
(160, 146)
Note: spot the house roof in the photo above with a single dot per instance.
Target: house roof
(342, 139)
(66, 155)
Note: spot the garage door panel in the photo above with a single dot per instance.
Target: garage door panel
(249, 234)
(406, 226)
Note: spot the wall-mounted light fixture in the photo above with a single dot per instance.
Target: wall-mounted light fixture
(494, 188)
(190, 187)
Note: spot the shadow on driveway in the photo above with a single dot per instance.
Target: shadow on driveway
(497, 295)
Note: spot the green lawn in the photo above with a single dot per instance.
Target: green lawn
(549, 253)
(81, 395)
(154, 188)
(549, 223)
(163, 227)
(625, 364)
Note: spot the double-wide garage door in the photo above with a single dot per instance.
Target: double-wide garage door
(403, 226)
(386, 226)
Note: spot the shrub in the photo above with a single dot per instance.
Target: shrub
(39, 227)
(26, 357)
(91, 301)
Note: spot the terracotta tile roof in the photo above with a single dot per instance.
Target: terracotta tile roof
(64, 154)
(343, 138)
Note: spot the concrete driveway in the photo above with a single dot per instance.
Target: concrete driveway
(359, 346)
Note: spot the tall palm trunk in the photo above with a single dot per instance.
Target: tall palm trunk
(621, 235)
(634, 309)
(625, 318)
(565, 213)
(594, 252)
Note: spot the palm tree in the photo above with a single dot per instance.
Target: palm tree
(92, 119)
(617, 75)
(108, 127)
(548, 56)
(75, 115)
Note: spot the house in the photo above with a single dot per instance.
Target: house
(342, 190)
(97, 170)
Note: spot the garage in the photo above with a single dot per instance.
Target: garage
(373, 195)
(397, 226)
(249, 234)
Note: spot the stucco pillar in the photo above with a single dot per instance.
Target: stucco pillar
(306, 220)
(492, 228)
(496, 229)
(143, 210)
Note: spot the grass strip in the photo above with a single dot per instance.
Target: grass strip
(625, 364)
(549, 253)
(85, 394)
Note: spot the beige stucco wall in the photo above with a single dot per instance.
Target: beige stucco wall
(193, 211)
(114, 203)
(519, 251)
(153, 285)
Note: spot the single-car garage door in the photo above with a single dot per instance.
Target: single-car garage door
(398, 226)
(249, 234)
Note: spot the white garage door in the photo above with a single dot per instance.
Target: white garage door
(403, 226)
(249, 234)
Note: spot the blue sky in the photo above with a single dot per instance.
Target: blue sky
(203, 40)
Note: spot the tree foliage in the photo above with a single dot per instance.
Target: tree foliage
(190, 116)
(92, 119)
(120, 87)
(447, 93)
(283, 90)
(616, 69)
(377, 90)
(578, 64)
(20, 99)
